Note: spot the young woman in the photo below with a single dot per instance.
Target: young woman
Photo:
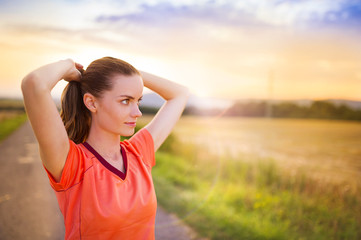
(104, 187)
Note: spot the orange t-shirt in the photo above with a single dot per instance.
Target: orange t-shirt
(97, 203)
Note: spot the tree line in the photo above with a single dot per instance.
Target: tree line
(317, 109)
(11, 105)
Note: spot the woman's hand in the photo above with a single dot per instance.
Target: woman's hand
(74, 73)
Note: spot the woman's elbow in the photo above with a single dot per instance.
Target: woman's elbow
(182, 96)
(184, 92)
(28, 82)
(32, 83)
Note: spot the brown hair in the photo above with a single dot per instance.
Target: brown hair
(95, 80)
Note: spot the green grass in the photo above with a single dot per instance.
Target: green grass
(227, 198)
(9, 123)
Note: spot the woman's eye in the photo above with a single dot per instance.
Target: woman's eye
(125, 101)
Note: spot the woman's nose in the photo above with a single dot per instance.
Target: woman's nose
(136, 112)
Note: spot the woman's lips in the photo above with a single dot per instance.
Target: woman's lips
(131, 124)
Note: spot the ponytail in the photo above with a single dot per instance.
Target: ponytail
(76, 117)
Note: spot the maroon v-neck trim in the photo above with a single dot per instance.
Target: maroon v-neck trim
(108, 165)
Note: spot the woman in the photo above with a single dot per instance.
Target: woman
(104, 187)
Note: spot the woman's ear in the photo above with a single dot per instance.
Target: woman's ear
(89, 101)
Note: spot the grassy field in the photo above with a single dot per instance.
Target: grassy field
(227, 194)
(10, 121)
(329, 150)
(232, 199)
(12, 115)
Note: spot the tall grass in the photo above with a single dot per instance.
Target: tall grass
(238, 198)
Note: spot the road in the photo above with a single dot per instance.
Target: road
(28, 206)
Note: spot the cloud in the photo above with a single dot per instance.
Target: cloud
(168, 15)
(338, 14)
(196, 21)
(261, 14)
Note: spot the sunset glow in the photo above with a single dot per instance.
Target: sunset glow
(222, 49)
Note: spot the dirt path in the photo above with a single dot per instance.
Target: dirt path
(28, 206)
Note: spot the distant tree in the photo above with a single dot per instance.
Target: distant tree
(148, 110)
(318, 109)
(322, 109)
(11, 105)
(250, 109)
(344, 112)
(289, 110)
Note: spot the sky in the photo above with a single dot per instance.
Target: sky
(249, 49)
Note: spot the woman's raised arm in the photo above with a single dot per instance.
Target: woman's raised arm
(176, 97)
(43, 114)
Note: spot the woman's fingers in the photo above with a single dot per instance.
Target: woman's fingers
(74, 75)
(78, 66)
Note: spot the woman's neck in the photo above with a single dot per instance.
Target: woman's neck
(105, 143)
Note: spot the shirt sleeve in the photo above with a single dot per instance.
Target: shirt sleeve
(73, 170)
(143, 142)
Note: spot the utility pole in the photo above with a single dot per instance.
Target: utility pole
(270, 94)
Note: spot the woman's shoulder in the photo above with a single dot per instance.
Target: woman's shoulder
(141, 144)
(79, 151)
(142, 135)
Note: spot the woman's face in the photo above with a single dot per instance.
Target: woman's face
(118, 109)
